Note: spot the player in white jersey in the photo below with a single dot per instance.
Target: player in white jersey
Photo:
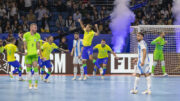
(76, 53)
(142, 67)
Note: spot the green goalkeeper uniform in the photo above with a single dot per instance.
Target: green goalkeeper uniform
(31, 41)
(158, 52)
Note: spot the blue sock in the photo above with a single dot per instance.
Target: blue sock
(47, 75)
(42, 70)
(14, 71)
(104, 70)
(85, 69)
(32, 72)
(19, 71)
(95, 69)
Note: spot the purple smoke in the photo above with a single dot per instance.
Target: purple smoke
(176, 13)
(121, 19)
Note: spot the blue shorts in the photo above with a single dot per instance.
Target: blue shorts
(40, 61)
(101, 61)
(15, 64)
(87, 51)
(46, 63)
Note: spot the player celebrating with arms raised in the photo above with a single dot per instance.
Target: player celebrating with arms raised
(103, 50)
(87, 41)
(32, 49)
(142, 65)
(158, 53)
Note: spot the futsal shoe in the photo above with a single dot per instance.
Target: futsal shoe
(35, 86)
(42, 77)
(21, 79)
(46, 80)
(102, 77)
(11, 75)
(147, 92)
(85, 78)
(30, 86)
(74, 78)
(165, 74)
(101, 71)
(134, 91)
(80, 78)
(94, 73)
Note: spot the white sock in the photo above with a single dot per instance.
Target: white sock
(82, 71)
(148, 82)
(75, 71)
(136, 82)
(36, 75)
(29, 77)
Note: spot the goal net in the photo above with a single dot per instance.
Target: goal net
(171, 49)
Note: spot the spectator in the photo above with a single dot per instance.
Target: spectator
(72, 27)
(10, 35)
(77, 16)
(20, 43)
(41, 11)
(60, 6)
(1, 31)
(28, 5)
(25, 26)
(15, 26)
(63, 45)
(60, 23)
(8, 27)
(22, 20)
(45, 24)
(13, 11)
(2, 11)
(88, 19)
(69, 21)
(31, 18)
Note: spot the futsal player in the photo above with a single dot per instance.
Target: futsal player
(142, 65)
(11, 49)
(87, 44)
(32, 49)
(103, 50)
(158, 53)
(76, 53)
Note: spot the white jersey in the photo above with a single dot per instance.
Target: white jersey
(77, 44)
(142, 69)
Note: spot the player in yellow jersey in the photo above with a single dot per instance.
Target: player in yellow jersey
(46, 50)
(103, 50)
(11, 49)
(32, 49)
(87, 41)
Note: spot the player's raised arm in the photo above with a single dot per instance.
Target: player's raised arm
(97, 33)
(155, 41)
(81, 23)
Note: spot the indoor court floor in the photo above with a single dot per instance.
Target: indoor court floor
(112, 88)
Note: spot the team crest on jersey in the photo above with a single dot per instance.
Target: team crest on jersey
(3, 63)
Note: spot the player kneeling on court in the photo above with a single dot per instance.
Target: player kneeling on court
(46, 50)
(77, 51)
(11, 49)
(103, 50)
(142, 65)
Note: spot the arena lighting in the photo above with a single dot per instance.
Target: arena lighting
(121, 19)
(176, 13)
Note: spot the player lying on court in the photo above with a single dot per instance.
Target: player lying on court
(142, 65)
(158, 53)
(46, 50)
(76, 53)
(87, 44)
(11, 49)
(103, 50)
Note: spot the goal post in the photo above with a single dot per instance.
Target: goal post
(171, 49)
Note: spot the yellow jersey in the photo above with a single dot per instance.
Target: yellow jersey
(88, 37)
(11, 49)
(102, 51)
(47, 49)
